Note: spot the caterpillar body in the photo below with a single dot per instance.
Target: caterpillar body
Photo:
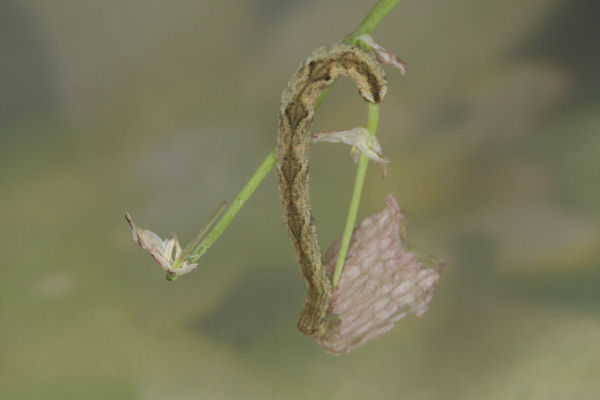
(298, 100)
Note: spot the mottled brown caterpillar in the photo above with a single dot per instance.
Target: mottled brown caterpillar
(298, 101)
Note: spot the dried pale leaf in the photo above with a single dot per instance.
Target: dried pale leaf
(382, 282)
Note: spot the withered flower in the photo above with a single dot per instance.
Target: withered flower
(383, 55)
(360, 140)
(167, 253)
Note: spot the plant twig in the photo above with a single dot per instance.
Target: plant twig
(368, 24)
(373, 18)
(361, 171)
(255, 180)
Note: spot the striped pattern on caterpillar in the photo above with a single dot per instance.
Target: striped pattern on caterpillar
(298, 101)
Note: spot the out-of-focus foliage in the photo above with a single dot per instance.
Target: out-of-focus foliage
(164, 109)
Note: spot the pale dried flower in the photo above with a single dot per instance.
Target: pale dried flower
(382, 281)
(383, 55)
(165, 252)
(359, 138)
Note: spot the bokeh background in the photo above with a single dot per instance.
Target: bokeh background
(164, 109)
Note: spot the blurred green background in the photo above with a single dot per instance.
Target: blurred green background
(164, 109)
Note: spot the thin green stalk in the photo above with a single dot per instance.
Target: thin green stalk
(235, 207)
(368, 24)
(373, 18)
(361, 171)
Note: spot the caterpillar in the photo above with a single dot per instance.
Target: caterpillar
(298, 101)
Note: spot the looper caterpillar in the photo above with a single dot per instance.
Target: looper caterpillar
(298, 100)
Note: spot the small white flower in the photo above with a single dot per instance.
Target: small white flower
(166, 252)
(357, 137)
(383, 55)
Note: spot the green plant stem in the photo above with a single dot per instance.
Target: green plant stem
(368, 24)
(235, 207)
(373, 18)
(361, 171)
